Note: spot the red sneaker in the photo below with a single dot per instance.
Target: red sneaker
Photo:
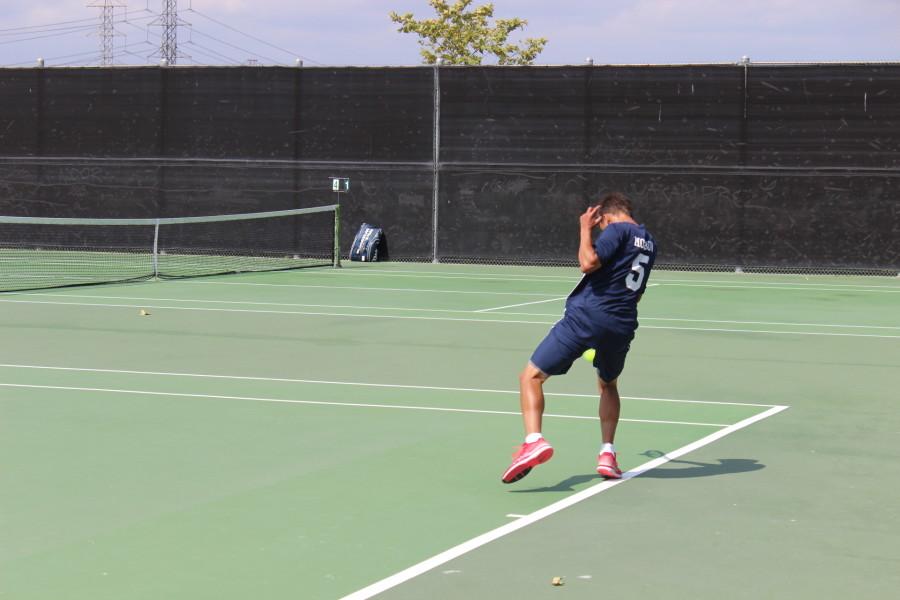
(526, 457)
(607, 466)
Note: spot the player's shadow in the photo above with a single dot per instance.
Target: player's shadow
(674, 469)
(694, 468)
(567, 485)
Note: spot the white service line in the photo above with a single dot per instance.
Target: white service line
(795, 287)
(441, 310)
(344, 404)
(763, 323)
(859, 286)
(356, 384)
(658, 277)
(368, 288)
(423, 318)
(522, 304)
(270, 312)
(825, 333)
(811, 287)
(485, 538)
(448, 275)
(245, 302)
(721, 321)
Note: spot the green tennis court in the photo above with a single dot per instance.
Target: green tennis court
(324, 433)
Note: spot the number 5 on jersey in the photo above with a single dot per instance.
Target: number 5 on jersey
(634, 279)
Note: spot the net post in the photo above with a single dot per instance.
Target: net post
(337, 236)
(156, 249)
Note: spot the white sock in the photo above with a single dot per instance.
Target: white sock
(532, 437)
(608, 448)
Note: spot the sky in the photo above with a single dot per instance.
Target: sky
(359, 32)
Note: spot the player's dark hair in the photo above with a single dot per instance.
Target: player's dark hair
(614, 202)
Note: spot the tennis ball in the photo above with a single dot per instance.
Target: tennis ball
(145, 313)
(589, 355)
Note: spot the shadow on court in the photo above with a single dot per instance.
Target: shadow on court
(675, 469)
(700, 469)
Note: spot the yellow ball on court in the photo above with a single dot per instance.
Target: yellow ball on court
(589, 355)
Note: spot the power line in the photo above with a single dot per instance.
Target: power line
(83, 29)
(144, 29)
(225, 25)
(135, 53)
(90, 55)
(223, 42)
(80, 61)
(29, 62)
(53, 27)
(168, 48)
(212, 53)
(47, 30)
(47, 25)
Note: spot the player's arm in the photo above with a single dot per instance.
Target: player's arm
(587, 256)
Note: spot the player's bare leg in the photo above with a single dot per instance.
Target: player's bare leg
(531, 397)
(610, 405)
(535, 450)
(609, 409)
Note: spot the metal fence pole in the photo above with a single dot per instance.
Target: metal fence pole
(435, 158)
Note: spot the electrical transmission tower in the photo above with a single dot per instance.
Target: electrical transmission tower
(169, 21)
(107, 30)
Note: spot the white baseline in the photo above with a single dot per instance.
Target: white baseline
(490, 536)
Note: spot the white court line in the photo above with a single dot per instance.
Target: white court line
(663, 283)
(766, 323)
(485, 538)
(861, 286)
(438, 310)
(449, 275)
(343, 404)
(731, 285)
(422, 318)
(270, 312)
(358, 384)
(825, 333)
(521, 304)
(366, 288)
(245, 302)
(576, 275)
(574, 278)
(722, 321)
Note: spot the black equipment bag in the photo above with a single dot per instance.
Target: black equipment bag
(366, 243)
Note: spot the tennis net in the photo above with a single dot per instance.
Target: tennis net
(40, 252)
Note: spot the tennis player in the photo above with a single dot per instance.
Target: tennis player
(601, 313)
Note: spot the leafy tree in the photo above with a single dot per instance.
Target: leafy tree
(460, 36)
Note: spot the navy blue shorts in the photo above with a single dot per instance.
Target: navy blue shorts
(567, 341)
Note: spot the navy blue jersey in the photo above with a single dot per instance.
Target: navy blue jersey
(627, 252)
